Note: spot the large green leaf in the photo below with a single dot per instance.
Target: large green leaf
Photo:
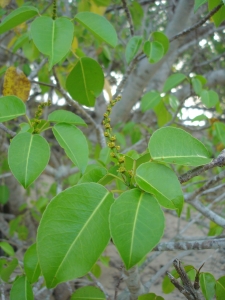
(86, 81)
(99, 26)
(176, 146)
(173, 81)
(63, 116)
(88, 293)
(136, 225)
(150, 100)
(11, 107)
(31, 264)
(17, 17)
(208, 285)
(21, 290)
(132, 48)
(73, 232)
(74, 142)
(52, 37)
(162, 182)
(28, 156)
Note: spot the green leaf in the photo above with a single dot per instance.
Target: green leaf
(7, 271)
(162, 39)
(150, 100)
(86, 81)
(31, 264)
(132, 48)
(7, 248)
(220, 131)
(94, 175)
(209, 98)
(162, 182)
(74, 142)
(63, 116)
(21, 290)
(73, 232)
(17, 17)
(88, 293)
(156, 52)
(197, 85)
(176, 146)
(52, 37)
(167, 286)
(150, 296)
(28, 156)
(11, 107)
(99, 26)
(96, 270)
(173, 81)
(136, 225)
(199, 3)
(4, 194)
(102, 2)
(208, 284)
(220, 288)
(218, 17)
(199, 118)
(162, 113)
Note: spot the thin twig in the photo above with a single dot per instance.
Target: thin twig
(99, 285)
(10, 132)
(129, 18)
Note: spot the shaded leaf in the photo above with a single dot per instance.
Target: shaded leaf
(132, 48)
(8, 270)
(28, 156)
(31, 264)
(162, 182)
(88, 293)
(16, 83)
(7, 248)
(220, 288)
(136, 225)
(199, 3)
(77, 222)
(176, 146)
(219, 16)
(161, 38)
(99, 26)
(74, 142)
(209, 98)
(86, 81)
(21, 290)
(150, 296)
(4, 194)
(52, 37)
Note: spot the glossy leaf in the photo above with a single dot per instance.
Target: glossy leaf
(7, 248)
(176, 146)
(132, 48)
(21, 290)
(17, 17)
(77, 232)
(173, 81)
(74, 142)
(199, 3)
(4, 194)
(11, 107)
(99, 26)
(150, 100)
(151, 177)
(31, 264)
(161, 38)
(136, 225)
(219, 16)
(63, 116)
(150, 296)
(28, 156)
(208, 284)
(209, 98)
(52, 37)
(220, 288)
(88, 293)
(86, 81)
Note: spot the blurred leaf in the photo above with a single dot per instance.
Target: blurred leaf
(150, 100)
(173, 81)
(16, 83)
(4, 194)
(199, 3)
(220, 288)
(11, 107)
(88, 293)
(209, 98)
(63, 116)
(208, 284)
(132, 48)
(218, 17)
(162, 39)
(7, 248)
(8, 270)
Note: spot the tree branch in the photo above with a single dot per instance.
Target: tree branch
(10, 132)
(129, 18)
